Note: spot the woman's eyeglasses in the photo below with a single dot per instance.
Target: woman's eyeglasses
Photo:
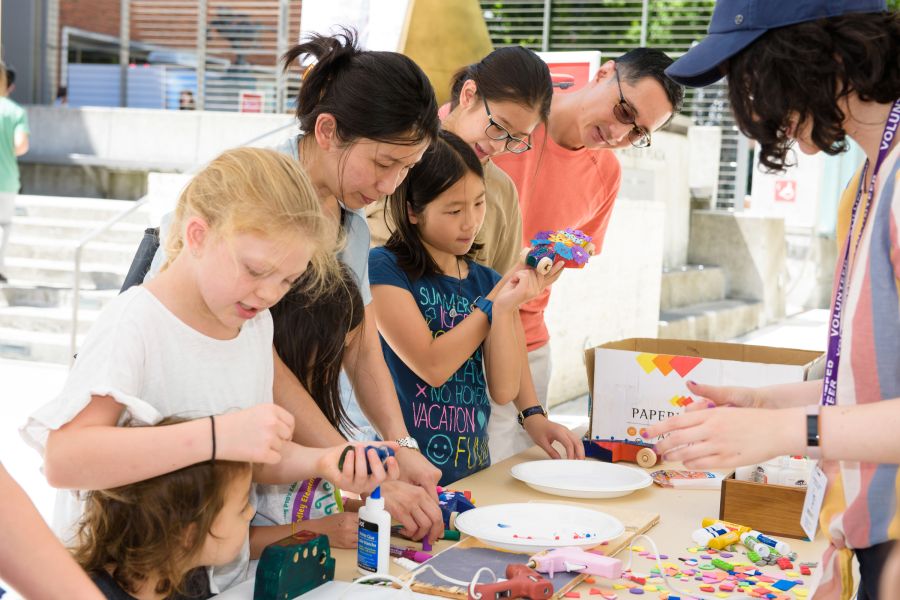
(624, 113)
(498, 132)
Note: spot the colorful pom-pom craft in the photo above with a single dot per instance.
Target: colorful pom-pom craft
(570, 246)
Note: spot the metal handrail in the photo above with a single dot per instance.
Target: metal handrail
(79, 248)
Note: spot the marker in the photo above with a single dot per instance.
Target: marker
(751, 543)
(411, 553)
(449, 534)
(779, 546)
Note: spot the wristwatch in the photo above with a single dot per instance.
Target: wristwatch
(531, 410)
(485, 306)
(813, 435)
(409, 442)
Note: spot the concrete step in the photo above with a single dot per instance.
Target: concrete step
(54, 249)
(716, 321)
(60, 272)
(34, 345)
(692, 284)
(46, 320)
(79, 209)
(71, 229)
(29, 293)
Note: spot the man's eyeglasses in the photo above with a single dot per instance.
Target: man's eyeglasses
(624, 113)
(498, 132)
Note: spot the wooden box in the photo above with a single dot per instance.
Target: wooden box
(771, 509)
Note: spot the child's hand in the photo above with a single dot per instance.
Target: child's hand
(544, 432)
(353, 476)
(549, 279)
(521, 287)
(730, 437)
(342, 529)
(254, 434)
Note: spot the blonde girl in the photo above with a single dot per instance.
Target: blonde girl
(197, 341)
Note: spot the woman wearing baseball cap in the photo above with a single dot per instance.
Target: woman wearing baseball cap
(816, 73)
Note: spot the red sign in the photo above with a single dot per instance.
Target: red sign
(569, 77)
(785, 190)
(252, 102)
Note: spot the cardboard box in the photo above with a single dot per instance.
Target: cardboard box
(772, 509)
(640, 381)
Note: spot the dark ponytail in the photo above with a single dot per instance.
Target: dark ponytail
(382, 96)
(445, 162)
(513, 74)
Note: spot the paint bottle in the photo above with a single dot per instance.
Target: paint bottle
(723, 541)
(719, 524)
(703, 536)
(751, 543)
(374, 544)
(778, 545)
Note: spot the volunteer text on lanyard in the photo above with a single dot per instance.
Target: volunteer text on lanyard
(818, 482)
(829, 389)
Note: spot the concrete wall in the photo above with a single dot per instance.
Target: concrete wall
(82, 182)
(173, 140)
(615, 296)
(660, 173)
(120, 145)
(751, 249)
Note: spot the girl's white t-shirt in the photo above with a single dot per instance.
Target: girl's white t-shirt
(157, 366)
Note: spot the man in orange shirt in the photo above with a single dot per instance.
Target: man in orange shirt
(571, 179)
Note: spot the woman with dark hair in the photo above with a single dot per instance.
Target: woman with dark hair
(817, 73)
(365, 118)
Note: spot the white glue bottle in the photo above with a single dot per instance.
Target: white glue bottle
(374, 544)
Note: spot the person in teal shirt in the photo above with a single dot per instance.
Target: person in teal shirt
(13, 143)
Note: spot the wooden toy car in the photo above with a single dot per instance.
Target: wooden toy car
(620, 450)
(571, 246)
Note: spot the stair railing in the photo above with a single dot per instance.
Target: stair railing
(93, 235)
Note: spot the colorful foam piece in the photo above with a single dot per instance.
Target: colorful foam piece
(573, 247)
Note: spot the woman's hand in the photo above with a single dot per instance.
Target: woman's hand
(727, 437)
(718, 395)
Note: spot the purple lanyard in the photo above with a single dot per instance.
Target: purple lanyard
(835, 324)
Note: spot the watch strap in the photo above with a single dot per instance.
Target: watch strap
(531, 410)
(813, 432)
(408, 442)
(485, 306)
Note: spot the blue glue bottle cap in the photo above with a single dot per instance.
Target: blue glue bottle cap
(376, 493)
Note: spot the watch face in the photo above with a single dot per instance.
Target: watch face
(408, 442)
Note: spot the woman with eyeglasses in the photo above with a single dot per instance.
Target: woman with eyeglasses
(495, 106)
(571, 178)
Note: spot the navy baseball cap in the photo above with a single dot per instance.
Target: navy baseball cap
(736, 24)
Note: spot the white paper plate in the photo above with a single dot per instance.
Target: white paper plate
(581, 478)
(531, 526)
